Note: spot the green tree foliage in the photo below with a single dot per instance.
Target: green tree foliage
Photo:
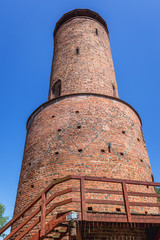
(158, 191)
(3, 219)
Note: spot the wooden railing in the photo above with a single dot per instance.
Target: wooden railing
(37, 215)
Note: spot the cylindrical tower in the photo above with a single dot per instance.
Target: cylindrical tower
(84, 128)
(82, 47)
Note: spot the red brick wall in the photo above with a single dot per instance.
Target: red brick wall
(104, 231)
(82, 122)
(89, 71)
(71, 135)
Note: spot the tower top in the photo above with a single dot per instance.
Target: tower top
(82, 61)
(80, 13)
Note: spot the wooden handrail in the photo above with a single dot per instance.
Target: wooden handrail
(53, 183)
(83, 200)
(43, 214)
(117, 180)
(105, 191)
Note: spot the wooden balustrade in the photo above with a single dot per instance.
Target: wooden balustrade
(43, 202)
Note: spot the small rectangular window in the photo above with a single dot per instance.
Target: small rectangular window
(77, 50)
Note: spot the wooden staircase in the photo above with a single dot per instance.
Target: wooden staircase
(35, 223)
(53, 229)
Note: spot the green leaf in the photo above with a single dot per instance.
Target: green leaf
(3, 219)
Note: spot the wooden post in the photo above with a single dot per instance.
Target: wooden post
(83, 200)
(79, 231)
(43, 214)
(126, 202)
(158, 235)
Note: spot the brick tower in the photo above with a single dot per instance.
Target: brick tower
(86, 130)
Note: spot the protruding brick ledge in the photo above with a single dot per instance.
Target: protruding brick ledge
(52, 101)
(80, 13)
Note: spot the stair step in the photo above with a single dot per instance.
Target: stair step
(63, 224)
(60, 229)
(56, 235)
(53, 235)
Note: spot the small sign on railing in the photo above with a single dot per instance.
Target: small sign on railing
(72, 216)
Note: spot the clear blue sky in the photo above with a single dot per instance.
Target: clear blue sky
(26, 48)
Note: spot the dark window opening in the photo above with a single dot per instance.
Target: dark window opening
(90, 209)
(121, 154)
(77, 50)
(146, 212)
(102, 150)
(141, 160)
(109, 147)
(76, 111)
(56, 153)
(138, 139)
(123, 132)
(59, 130)
(79, 127)
(114, 91)
(118, 210)
(56, 89)
(79, 150)
(32, 186)
(29, 164)
(96, 31)
(53, 116)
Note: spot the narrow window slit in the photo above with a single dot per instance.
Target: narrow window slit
(114, 91)
(80, 150)
(77, 50)
(56, 89)
(56, 153)
(102, 150)
(59, 130)
(109, 147)
(96, 31)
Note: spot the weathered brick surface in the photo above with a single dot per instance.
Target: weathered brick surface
(59, 131)
(72, 134)
(104, 231)
(89, 71)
